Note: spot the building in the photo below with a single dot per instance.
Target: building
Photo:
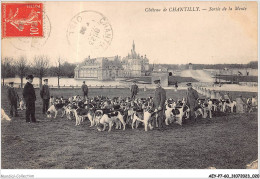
(104, 68)
(109, 68)
(134, 64)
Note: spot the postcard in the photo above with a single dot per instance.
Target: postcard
(149, 85)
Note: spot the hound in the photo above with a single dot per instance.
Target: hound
(4, 116)
(55, 108)
(111, 118)
(81, 113)
(229, 104)
(145, 117)
(181, 113)
(22, 105)
(169, 117)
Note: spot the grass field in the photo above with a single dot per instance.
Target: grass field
(227, 142)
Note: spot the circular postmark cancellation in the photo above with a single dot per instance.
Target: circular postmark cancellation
(30, 43)
(90, 31)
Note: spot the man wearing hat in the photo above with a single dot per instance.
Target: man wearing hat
(12, 98)
(134, 90)
(192, 96)
(84, 89)
(30, 98)
(159, 102)
(45, 95)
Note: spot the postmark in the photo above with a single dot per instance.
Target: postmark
(33, 43)
(22, 20)
(91, 30)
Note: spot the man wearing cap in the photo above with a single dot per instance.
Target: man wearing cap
(84, 89)
(45, 95)
(12, 98)
(192, 96)
(159, 102)
(30, 98)
(134, 90)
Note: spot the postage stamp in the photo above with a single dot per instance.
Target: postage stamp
(32, 43)
(90, 29)
(22, 19)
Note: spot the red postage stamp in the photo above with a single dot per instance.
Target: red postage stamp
(22, 20)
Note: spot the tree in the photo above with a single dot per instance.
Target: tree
(6, 68)
(58, 71)
(68, 69)
(40, 65)
(21, 68)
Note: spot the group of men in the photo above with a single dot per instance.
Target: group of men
(192, 97)
(29, 98)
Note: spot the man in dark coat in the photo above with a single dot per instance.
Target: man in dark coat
(13, 99)
(159, 102)
(30, 98)
(134, 90)
(192, 97)
(45, 95)
(84, 89)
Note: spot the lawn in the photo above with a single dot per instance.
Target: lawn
(227, 142)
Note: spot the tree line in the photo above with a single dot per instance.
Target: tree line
(39, 67)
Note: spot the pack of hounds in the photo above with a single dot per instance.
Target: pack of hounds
(104, 112)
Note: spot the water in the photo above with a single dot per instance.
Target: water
(67, 82)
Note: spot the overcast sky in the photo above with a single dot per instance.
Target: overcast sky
(165, 37)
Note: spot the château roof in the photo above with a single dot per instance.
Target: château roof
(135, 55)
(114, 62)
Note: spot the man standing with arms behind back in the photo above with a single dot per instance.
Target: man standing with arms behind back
(192, 97)
(45, 95)
(84, 89)
(134, 90)
(159, 102)
(30, 98)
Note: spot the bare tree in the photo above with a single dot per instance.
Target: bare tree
(40, 65)
(5, 66)
(58, 70)
(21, 68)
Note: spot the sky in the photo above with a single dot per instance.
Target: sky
(179, 37)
